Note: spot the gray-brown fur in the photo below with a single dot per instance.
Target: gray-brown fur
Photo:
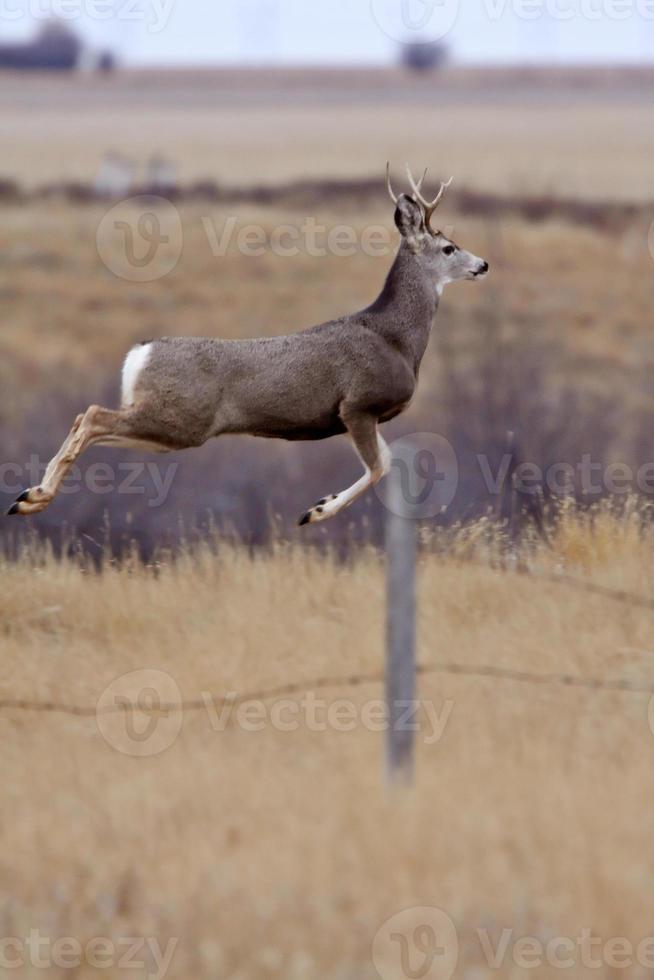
(347, 375)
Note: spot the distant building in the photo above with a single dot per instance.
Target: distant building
(424, 55)
(55, 48)
(106, 61)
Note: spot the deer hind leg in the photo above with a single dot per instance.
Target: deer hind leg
(375, 456)
(96, 426)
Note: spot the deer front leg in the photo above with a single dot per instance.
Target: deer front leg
(375, 456)
(96, 425)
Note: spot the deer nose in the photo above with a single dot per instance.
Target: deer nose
(483, 269)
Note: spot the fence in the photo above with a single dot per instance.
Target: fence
(401, 668)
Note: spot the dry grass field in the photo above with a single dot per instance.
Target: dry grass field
(267, 843)
(581, 133)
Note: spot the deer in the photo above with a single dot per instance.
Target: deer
(346, 376)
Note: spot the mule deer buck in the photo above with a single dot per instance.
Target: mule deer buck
(345, 376)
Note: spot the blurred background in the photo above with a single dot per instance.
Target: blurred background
(199, 167)
(278, 116)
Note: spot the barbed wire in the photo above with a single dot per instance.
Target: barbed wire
(561, 578)
(484, 671)
(521, 570)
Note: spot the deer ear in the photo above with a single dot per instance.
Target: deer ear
(408, 217)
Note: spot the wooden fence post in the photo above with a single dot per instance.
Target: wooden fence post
(401, 553)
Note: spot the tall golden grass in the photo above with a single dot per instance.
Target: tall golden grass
(280, 853)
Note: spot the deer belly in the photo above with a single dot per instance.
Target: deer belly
(297, 431)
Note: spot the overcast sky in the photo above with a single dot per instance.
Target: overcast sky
(350, 31)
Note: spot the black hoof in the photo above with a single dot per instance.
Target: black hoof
(305, 519)
(15, 509)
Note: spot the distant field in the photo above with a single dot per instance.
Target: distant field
(274, 851)
(579, 133)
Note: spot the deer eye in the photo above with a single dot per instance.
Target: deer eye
(449, 250)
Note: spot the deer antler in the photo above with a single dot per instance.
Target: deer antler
(429, 206)
(388, 182)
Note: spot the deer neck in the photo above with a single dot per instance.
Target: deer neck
(405, 309)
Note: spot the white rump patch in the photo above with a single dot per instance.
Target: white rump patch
(134, 364)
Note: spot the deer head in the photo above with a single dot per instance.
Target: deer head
(441, 258)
